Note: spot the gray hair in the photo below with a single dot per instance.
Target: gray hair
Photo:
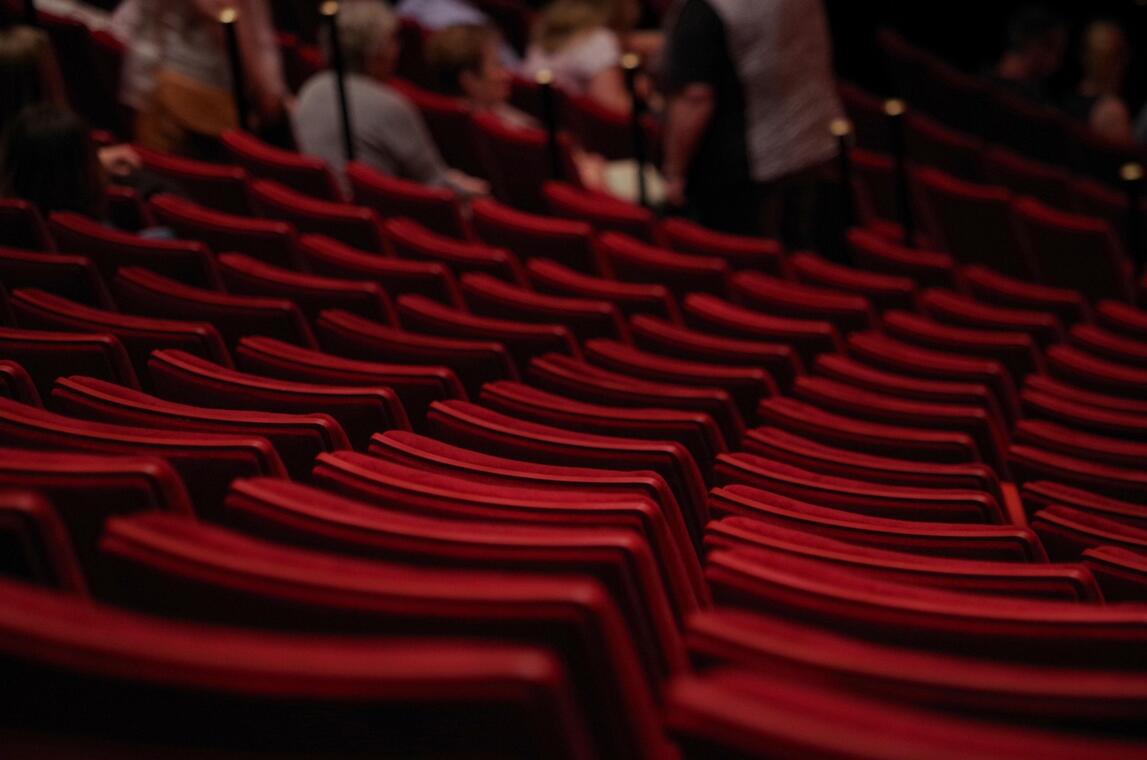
(365, 29)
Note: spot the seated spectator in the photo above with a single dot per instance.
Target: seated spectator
(465, 63)
(581, 42)
(389, 134)
(1098, 100)
(441, 14)
(47, 157)
(178, 65)
(1036, 45)
(30, 75)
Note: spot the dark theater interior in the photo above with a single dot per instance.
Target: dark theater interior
(573, 379)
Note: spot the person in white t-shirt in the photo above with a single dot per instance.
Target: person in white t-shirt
(581, 42)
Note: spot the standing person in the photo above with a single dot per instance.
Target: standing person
(178, 63)
(389, 134)
(751, 94)
(1098, 100)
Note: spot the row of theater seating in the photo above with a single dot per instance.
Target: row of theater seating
(555, 486)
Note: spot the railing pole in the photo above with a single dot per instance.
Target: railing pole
(545, 80)
(330, 13)
(631, 64)
(228, 17)
(895, 110)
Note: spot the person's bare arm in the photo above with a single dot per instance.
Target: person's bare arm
(608, 88)
(1111, 119)
(687, 117)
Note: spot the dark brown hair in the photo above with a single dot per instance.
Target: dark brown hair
(48, 158)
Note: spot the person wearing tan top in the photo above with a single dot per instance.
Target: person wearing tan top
(177, 54)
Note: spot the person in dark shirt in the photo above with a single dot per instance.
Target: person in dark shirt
(751, 94)
(1098, 99)
(1035, 49)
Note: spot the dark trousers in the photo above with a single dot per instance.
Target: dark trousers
(797, 209)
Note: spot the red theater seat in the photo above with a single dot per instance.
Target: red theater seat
(770, 295)
(475, 362)
(517, 162)
(740, 252)
(663, 337)
(1041, 493)
(141, 291)
(110, 249)
(1015, 350)
(578, 379)
(1031, 463)
(1058, 698)
(883, 291)
(531, 236)
(432, 207)
(634, 261)
(805, 336)
(1121, 573)
(1076, 252)
(1019, 580)
(305, 174)
(979, 423)
(46, 355)
(973, 223)
(746, 385)
(586, 318)
(602, 212)
(1023, 176)
(1088, 371)
(139, 335)
(694, 430)
(878, 500)
(408, 239)
(732, 713)
(216, 186)
(996, 543)
(673, 547)
(271, 241)
(362, 411)
(995, 288)
(100, 677)
(207, 462)
(311, 293)
(1034, 631)
(304, 590)
(781, 446)
(354, 225)
(37, 548)
(1109, 345)
(22, 227)
(1067, 532)
(475, 427)
(523, 339)
(631, 298)
(944, 447)
(73, 277)
(298, 438)
(331, 258)
(862, 376)
(17, 384)
(873, 253)
(417, 385)
(960, 310)
(617, 558)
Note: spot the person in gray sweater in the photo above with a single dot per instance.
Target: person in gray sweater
(389, 133)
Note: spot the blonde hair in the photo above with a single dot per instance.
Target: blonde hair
(562, 20)
(365, 30)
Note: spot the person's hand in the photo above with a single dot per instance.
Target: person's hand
(466, 185)
(119, 160)
(675, 192)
